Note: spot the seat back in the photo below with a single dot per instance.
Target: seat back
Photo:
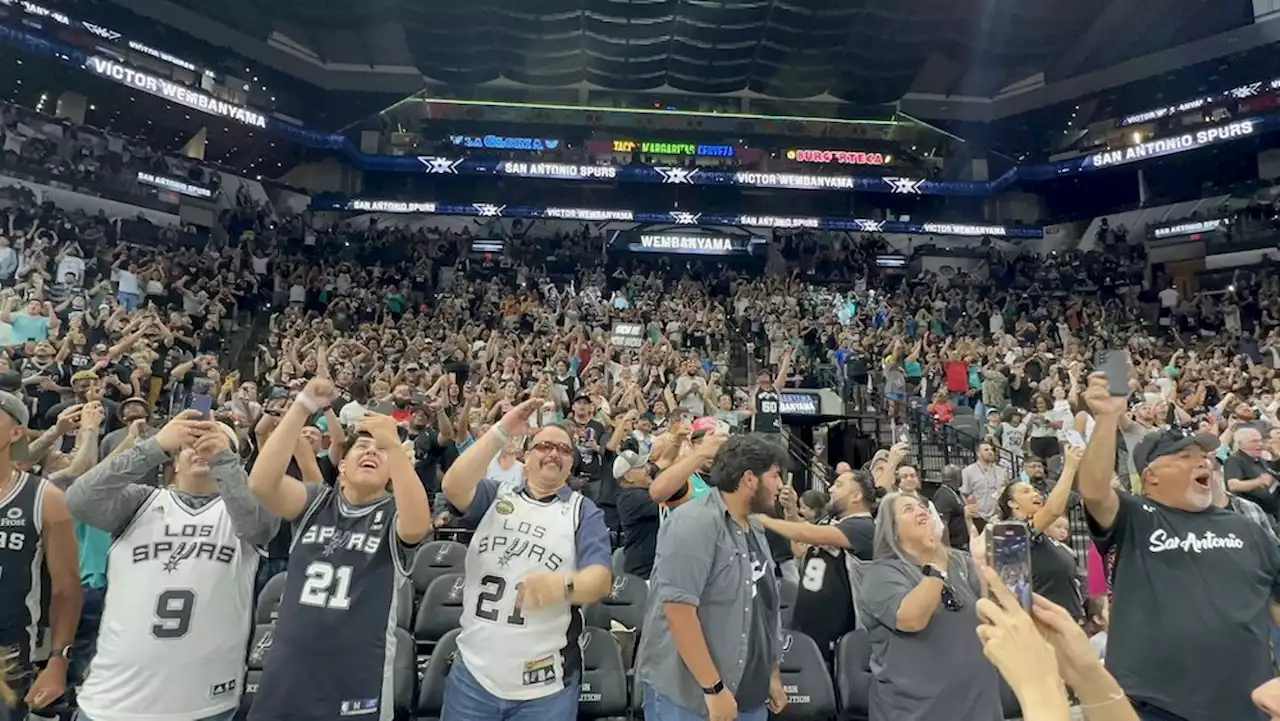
(251, 682)
(787, 591)
(260, 647)
(604, 679)
(434, 560)
(269, 599)
(431, 690)
(810, 695)
(404, 674)
(853, 675)
(625, 603)
(440, 610)
(619, 562)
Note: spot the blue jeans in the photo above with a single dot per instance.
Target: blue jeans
(128, 300)
(224, 716)
(86, 639)
(466, 700)
(660, 708)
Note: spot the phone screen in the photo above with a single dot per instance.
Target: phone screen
(1009, 548)
(202, 403)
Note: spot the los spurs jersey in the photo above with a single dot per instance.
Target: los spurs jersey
(178, 614)
(515, 654)
(22, 569)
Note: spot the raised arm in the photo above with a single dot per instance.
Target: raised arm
(460, 481)
(252, 522)
(282, 494)
(1056, 504)
(1098, 465)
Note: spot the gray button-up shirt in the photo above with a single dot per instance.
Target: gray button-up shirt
(703, 561)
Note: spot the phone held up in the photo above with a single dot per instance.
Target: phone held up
(1115, 366)
(1009, 553)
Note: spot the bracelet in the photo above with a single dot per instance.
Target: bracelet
(1118, 697)
(305, 399)
(501, 432)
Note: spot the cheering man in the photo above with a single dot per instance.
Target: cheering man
(1194, 584)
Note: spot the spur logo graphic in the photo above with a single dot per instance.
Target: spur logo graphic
(904, 185)
(487, 210)
(440, 165)
(682, 218)
(677, 176)
(870, 226)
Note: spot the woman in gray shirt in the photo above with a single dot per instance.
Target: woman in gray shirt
(918, 601)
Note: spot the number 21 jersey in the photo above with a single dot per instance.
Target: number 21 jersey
(334, 644)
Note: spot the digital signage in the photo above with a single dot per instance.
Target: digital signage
(1191, 227)
(1242, 92)
(182, 187)
(171, 91)
(661, 147)
(838, 157)
(685, 242)
(502, 142)
(800, 404)
(1176, 144)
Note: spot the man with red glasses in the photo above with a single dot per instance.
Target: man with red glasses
(540, 552)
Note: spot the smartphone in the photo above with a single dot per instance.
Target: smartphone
(1115, 365)
(1009, 552)
(202, 403)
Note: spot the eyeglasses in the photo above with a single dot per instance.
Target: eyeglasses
(563, 449)
(949, 599)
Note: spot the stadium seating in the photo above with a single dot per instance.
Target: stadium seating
(853, 675)
(434, 560)
(440, 610)
(431, 689)
(625, 604)
(604, 678)
(269, 599)
(806, 680)
(788, 591)
(405, 673)
(619, 561)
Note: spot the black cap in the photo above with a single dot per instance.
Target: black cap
(1167, 442)
(583, 397)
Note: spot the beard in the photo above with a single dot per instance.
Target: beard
(763, 502)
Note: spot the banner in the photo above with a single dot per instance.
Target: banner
(659, 147)
(1188, 228)
(800, 404)
(671, 217)
(1176, 144)
(173, 92)
(502, 142)
(627, 335)
(690, 242)
(182, 187)
(840, 157)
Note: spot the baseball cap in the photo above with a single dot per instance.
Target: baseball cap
(17, 410)
(1168, 442)
(701, 427)
(136, 399)
(627, 461)
(583, 397)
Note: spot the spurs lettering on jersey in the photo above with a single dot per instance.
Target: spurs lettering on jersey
(332, 540)
(181, 543)
(513, 540)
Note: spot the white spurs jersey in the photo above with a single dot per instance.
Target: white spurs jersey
(178, 614)
(520, 655)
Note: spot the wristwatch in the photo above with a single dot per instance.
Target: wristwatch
(714, 688)
(933, 572)
(60, 652)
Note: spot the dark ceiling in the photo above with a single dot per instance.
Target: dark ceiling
(864, 51)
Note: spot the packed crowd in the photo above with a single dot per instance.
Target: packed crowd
(483, 392)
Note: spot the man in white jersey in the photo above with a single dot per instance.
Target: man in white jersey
(540, 552)
(178, 609)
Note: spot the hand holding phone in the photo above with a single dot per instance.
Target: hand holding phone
(1009, 553)
(1115, 366)
(203, 404)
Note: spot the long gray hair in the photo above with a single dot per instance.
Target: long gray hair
(886, 543)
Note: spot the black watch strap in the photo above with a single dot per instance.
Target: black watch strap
(714, 688)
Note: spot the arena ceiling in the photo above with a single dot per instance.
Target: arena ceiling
(862, 51)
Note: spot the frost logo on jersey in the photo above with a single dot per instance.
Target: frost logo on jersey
(677, 176)
(514, 539)
(904, 185)
(332, 540)
(13, 517)
(1161, 541)
(184, 546)
(440, 165)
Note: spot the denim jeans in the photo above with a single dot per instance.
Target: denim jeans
(466, 700)
(224, 716)
(660, 708)
(86, 638)
(128, 300)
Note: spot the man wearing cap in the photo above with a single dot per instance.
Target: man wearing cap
(36, 526)
(684, 480)
(637, 512)
(589, 438)
(1195, 586)
(85, 387)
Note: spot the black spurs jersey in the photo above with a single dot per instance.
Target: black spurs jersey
(334, 643)
(825, 603)
(768, 415)
(23, 575)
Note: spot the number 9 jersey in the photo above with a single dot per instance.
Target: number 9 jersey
(521, 655)
(334, 643)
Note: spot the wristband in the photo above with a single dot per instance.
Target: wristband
(714, 689)
(501, 432)
(311, 404)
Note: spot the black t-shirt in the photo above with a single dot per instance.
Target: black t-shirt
(1191, 593)
(824, 603)
(1053, 575)
(639, 516)
(950, 507)
(592, 463)
(753, 689)
(1244, 467)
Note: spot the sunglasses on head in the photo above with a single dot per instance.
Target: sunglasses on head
(949, 599)
(563, 449)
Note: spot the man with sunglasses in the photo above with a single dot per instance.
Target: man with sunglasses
(540, 551)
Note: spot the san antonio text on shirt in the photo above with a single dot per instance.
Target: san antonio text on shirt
(1161, 541)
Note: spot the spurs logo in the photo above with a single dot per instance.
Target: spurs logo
(870, 226)
(440, 165)
(488, 210)
(682, 218)
(678, 176)
(904, 185)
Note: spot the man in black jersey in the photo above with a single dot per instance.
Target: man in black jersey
(767, 400)
(37, 542)
(826, 600)
(352, 547)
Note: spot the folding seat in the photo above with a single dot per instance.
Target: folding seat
(604, 679)
(787, 601)
(626, 603)
(260, 646)
(853, 675)
(251, 682)
(431, 690)
(810, 695)
(435, 559)
(440, 610)
(405, 674)
(269, 599)
(619, 561)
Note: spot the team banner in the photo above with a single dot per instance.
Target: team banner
(1174, 230)
(672, 217)
(1176, 144)
(685, 242)
(182, 187)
